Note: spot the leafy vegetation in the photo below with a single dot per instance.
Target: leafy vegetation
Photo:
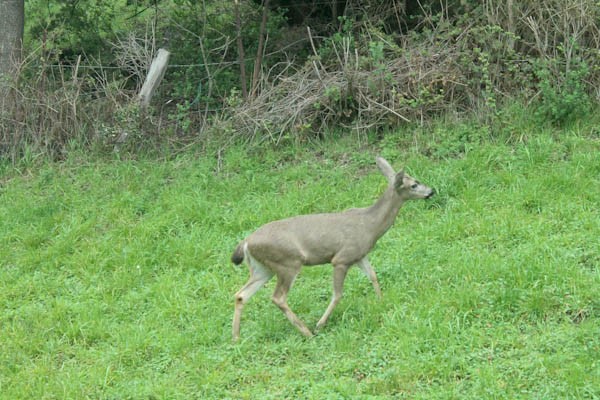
(364, 66)
(115, 280)
(566, 100)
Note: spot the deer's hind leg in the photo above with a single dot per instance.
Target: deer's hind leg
(285, 279)
(259, 275)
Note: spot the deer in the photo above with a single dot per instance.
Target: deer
(343, 239)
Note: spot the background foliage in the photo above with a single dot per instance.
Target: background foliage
(326, 65)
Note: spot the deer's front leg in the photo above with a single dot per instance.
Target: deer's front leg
(367, 268)
(339, 275)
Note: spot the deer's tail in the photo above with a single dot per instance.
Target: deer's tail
(238, 254)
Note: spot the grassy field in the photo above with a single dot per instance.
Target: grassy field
(115, 279)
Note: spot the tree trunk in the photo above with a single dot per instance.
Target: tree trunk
(259, 51)
(12, 19)
(240, 46)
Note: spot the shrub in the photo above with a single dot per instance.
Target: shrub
(564, 99)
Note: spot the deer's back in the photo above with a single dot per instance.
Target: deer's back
(313, 239)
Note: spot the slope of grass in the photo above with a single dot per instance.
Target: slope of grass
(115, 280)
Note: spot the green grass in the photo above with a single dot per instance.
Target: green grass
(115, 280)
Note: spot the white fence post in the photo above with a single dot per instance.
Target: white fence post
(155, 75)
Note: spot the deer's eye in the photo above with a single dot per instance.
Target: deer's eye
(414, 185)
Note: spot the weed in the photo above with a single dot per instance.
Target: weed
(563, 99)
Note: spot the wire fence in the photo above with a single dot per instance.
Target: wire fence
(191, 65)
(114, 67)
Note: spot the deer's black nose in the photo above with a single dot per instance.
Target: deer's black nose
(430, 194)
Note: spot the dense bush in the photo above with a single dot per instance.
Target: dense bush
(358, 65)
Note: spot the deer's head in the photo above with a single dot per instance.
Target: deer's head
(406, 186)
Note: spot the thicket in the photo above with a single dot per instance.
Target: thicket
(322, 66)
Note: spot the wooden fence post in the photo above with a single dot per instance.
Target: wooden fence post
(155, 75)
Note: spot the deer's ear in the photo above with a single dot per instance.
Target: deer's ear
(385, 168)
(399, 179)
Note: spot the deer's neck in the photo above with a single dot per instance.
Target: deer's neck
(383, 213)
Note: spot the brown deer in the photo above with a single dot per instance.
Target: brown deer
(281, 248)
